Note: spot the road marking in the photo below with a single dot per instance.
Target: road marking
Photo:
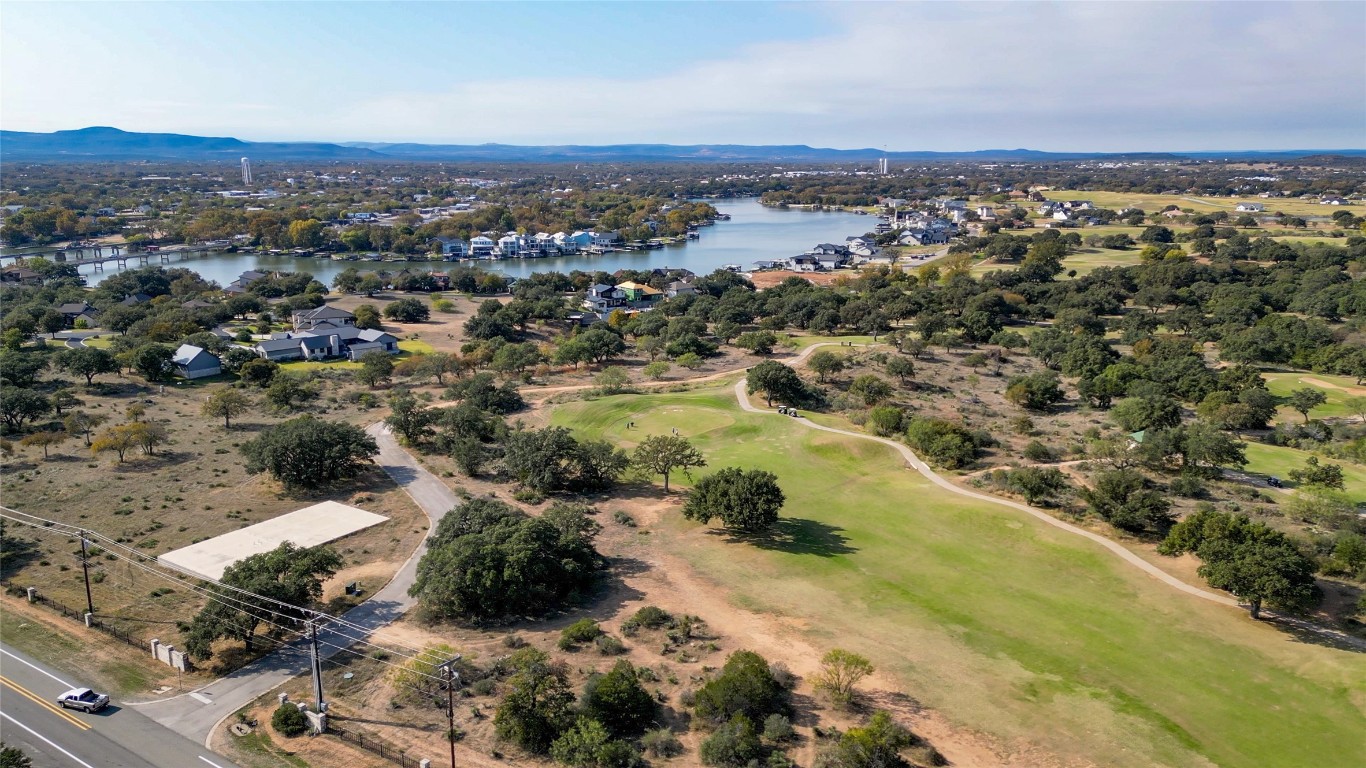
(45, 704)
(210, 762)
(40, 669)
(52, 743)
(201, 698)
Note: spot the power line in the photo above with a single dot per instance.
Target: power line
(135, 558)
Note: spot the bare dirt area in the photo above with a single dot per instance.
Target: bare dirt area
(443, 331)
(192, 488)
(770, 278)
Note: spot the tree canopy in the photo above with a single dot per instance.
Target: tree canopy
(306, 452)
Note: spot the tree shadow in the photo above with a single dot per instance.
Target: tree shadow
(1309, 633)
(795, 535)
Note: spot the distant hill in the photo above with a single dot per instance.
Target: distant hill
(106, 144)
(100, 143)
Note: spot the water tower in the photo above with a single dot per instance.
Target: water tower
(246, 170)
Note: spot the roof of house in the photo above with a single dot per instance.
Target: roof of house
(134, 299)
(314, 342)
(196, 304)
(250, 275)
(630, 285)
(275, 345)
(370, 334)
(187, 353)
(77, 308)
(322, 313)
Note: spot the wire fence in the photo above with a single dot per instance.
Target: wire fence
(77, 615)
(373, 745)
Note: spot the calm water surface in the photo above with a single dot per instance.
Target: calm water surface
(754, 232)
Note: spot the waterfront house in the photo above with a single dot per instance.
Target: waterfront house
(196, 362)
(605, 239)
(861, 246)
(22, 276)
(510, 246)
(481, 247)
(453, 248)
(579, 241)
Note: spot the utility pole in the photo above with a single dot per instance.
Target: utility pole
(85, 570)
(316, 663)
(452, 679)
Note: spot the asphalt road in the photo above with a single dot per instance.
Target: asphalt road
(195, 714)
(115, 737)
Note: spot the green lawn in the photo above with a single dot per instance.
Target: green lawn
(408, 348)
(1279, 460)
(103, 342)
(803, 342)
(1337, 388)
(1002, 623)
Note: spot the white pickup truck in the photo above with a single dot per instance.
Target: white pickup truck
(83, 699)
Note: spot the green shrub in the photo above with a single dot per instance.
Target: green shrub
(649, 617)
(778, 729)
(1037, 451)
(662, 743)
(289, 720)
(745, 686)
(581, 631)
(609, 646)
(732, 745)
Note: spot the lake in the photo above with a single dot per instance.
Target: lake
(753, 232)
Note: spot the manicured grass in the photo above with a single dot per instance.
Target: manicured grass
(101, 343)
(1002, 623)
(1278, 460)
(415, 347)
(1154, 203)
(1338, 389)
(803, 342)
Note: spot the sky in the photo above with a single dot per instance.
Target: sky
(949, 76)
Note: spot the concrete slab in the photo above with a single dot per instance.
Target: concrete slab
(307, 527)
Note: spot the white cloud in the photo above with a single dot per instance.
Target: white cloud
(1102, 76)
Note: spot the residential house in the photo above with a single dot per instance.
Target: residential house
(1250, 207)
(679, 288)
(106, 211)
(134, 300)
(196, 304)
(1333, 201)
(196, 362)
(639, 295)
(861, 246)
(481, 247)
(321, 343)
(307, 319)
(1061, 215)
(453, 248)
(73, 313)
(605, 239)
(603, 298)
(579, 241)
(510, 246)
(21, 275)
(986, 213)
